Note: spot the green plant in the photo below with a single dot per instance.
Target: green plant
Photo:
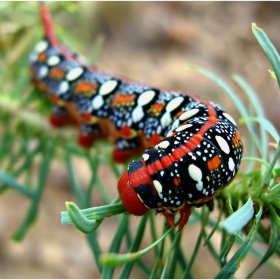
(28, 140)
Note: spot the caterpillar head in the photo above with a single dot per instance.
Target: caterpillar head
(132, 183)
(138, 194)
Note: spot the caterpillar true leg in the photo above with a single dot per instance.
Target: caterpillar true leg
(60, 116)
(125, 148)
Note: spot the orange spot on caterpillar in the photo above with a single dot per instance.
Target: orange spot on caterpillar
(237, 139)
(177, 181)
(86, 88)
(157, 108)
(42, 57)
(123, 100)
(214, 163)
(57, 73)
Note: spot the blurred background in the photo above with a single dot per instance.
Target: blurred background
(148, 42)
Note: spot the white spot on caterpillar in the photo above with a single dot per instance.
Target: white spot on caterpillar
(75, 73)
(63, 87)
(174, 103)
(223, 144)
(158, 187)
(97, 102)
(231, 164)
(159, 129)
(137, 114)
(227, 116)
(183, 127)
(145, 157)
(146, 97)
(196, 174)
(33, 57)
(188, 114)
(163, 144)
(165, 120)
(53, 60)
(41, 46)
(175, 124)
(43, 71)
(108, 87)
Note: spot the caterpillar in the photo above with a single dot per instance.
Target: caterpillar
(191, 146)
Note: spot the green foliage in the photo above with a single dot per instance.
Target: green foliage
(27, 139)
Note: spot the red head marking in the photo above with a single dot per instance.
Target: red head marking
(136, 179)
(129, 197)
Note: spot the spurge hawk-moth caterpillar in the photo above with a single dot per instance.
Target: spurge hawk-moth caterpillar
(192, 147)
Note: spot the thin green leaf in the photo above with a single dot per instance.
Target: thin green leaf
(233, 264)
(95, 248)
(275, 218)
(126, 270)
(211, 248)
(207, 238)
(103, 191)
(159, 258)
(80, 221)
(42, 177)
(120, 259)
(11, 182)
(93, 163)
(153, 232)
(269, 127)
(95, 213)
(268, 173)
(74, 183)
(178, 257)
(236, 221)
(254, 159)
(226, 246)
(107, 272)
(271, 194)
(269, 50)
(205, 215)
(272, 245)
(254, 100)
(172, 248)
